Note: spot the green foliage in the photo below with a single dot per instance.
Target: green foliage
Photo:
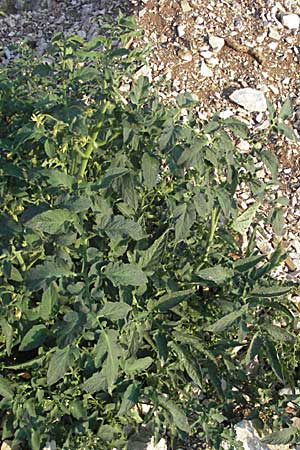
(122, 278)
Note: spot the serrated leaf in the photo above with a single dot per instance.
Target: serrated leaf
(112, 359)
(185, 100)
(137, 365)
(179, 418)
(34, 338)
(270, 291)
(112, 174)
(38, 276)
(150, 169)
(50, 221)
(97, 382)
(216, 274)
(211, 127)
(6, 388)
(168, 301)
(272, 356)
(213, 374)
(184, 216)
(253, 349)
(151, 257)
(162, 345)
(282, 437)
(115, 310)
(168, 137)
(139, 89)
(60, 362)
(125, 274)
(120, 227)
(227, 320)
(58, 178)
(287, 109)
(243, 222)
(130, 398)
(225, 201)
(189, 363)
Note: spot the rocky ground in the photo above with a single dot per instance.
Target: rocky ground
(212, 49)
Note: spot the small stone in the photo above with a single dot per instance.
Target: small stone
(180, 30)
(273, 45)
(185, 6)
(206, 55)
(216, 43)
(185, 55)
(244, 146)
(273, 34)
(291, 21)
(205, 70)
(250, 99)
(226, 113)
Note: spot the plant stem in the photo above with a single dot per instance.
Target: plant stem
(213, 226)
(92, 146)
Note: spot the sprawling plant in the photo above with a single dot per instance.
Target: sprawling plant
(126, 296)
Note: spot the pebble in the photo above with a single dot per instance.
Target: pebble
(273, 34)
(291, 21)
(205, 70)
(180, 30)
(185, 6)
(216, 43)
(250, 99)
(185, 54)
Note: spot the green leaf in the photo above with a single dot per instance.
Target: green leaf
(7, 331)
(60, 363)
(57, 178)
(112, 174)
(77, 409)
(238, 127)
(150, 258)
(253, 349)
(225, 201)
(168, 301)
(112, 360)
(270, 291)
(282, 437)
(130, 398)
(277, 220)
(243, 222)
(184, 216)
(211, 127)
(6, 388)
(34, 338)
(97, 382)
(125, 274)
(49, 301)
(119, 227)
(213, 374)
(168, 137)
(179, 418)
(115, 310)
(270, 161)
(216, 274)
(185, 100)
(50, 221)
(38, 276)
(150, 169)
(189, 362)
(228, 320)
(162, 345)
(245, 264)
(272, 356)
(139, 89)
(8, 226)
(287, 131)
(278, 333)
(133, 365)
(287, 109)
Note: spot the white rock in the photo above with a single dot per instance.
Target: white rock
(291, 21)
(185, 6)
(273, 45)
(185, 54)
(50, 446)
(226, 113)
(180, 30)
(273, 34)
(205, 70)
(247, 434)
(250, 99)
(216, 43)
